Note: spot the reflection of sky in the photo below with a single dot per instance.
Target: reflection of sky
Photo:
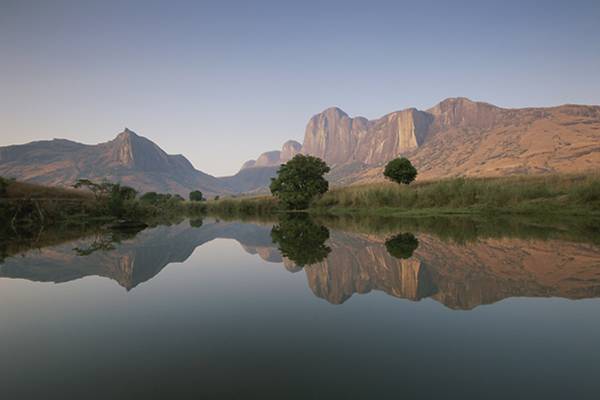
(197, 76)
(226, 320)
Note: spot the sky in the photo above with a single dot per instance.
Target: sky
(223, 81)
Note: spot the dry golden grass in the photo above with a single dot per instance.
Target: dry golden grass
(501, 192)
(22, 190)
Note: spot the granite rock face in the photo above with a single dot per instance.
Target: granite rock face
(458, 137)
(276, 157)
(289, 150)
(338, 139)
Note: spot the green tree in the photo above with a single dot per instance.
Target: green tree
(150, 197)
(118, 199)
(121, 200)
(300, 239)
(299, 180)
(402, 245)
(400, 170)
(3, 186)
(196, 195)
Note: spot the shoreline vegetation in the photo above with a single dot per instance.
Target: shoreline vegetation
(552, 194)
(25, 206)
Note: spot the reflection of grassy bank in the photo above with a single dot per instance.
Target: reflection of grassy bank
(255, 205)
(466, 228)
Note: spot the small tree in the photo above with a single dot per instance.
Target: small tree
(116, 198)
(196, 195)
(150, 197)
(400, 170)
(299, 181)
(3, 186)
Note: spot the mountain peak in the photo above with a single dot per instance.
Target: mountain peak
(127, 133)
(334, 111)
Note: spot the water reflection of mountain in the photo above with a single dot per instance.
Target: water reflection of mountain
(461, 276)
(132, 261)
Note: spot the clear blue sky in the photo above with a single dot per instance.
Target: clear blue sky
(222, 81)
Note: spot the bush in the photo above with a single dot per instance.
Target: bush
(196, 195)
(3, 186)
(400, 170)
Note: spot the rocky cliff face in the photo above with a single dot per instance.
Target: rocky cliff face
(289, 150)
(276, 157)
(457, 137)
(338, 139)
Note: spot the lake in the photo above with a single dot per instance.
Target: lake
(296, 307)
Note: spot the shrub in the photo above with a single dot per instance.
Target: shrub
(3, 186)
(400, 170)
(196, 195)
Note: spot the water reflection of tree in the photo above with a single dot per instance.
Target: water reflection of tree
(196, 222)
(105, 241)
(301, 240)
(402, 245)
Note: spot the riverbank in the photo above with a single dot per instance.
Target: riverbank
(543, 194)
(26, 206)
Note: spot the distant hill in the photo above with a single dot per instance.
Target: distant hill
(129, 158)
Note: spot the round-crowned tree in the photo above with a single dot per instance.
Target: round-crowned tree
(196, 195)
(400, 170)
(300, 180)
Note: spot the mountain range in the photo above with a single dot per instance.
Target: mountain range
(457, 137)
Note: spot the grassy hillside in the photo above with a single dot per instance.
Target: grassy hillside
(20, 190)
(573, 194)
(25, 206)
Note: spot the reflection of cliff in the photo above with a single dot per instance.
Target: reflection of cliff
(134, 260)
(459, 276)
(356, 265)
(490, 270)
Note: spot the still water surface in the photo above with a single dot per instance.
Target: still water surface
(298, 308)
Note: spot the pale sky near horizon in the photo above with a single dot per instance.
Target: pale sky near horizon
(223, 81)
